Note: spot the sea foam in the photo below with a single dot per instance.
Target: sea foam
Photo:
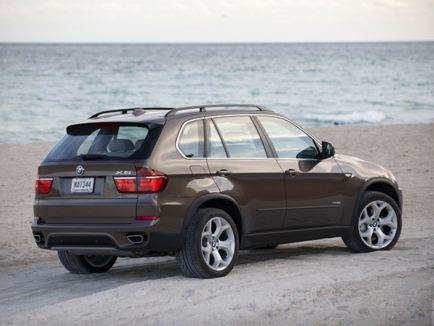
(347, 118)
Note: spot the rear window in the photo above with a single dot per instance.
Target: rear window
(101, 142)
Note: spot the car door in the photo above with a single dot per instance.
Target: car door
(314, 187)
(239, 163)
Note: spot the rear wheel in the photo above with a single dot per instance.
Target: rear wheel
(86, 264)
(377, 226)
(211, 245)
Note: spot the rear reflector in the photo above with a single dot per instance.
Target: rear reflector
(147, 181)
(147, 218)
(43, 185)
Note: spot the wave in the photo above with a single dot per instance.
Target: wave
(347, 118)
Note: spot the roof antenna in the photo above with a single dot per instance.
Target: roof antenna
(138, 112)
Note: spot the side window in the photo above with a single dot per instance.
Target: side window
(215, 145)
(287, 139)
(240, 137)
(191, 140)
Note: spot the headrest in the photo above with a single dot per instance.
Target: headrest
(121, 145)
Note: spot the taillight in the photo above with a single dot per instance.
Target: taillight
(43, 185)
(146, 181)
(149, 180)
(126, 184)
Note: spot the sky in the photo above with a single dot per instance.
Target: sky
(164, 21)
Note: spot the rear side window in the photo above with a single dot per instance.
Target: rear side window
(99, 142)
(240, 137)
(191, 141)
(215, 145)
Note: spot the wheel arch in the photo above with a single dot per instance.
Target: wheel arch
(384, 186)
(221, 201)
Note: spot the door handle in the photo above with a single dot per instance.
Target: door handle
(223, 173)
(291, 172)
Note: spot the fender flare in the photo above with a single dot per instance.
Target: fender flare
(369, 183)
(372, 181)
(194, 206)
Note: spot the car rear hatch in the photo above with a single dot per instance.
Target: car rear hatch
(90, 175)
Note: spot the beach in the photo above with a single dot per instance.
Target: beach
(316, 282)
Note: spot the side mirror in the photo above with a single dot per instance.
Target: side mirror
(310, 152)
(327, 150)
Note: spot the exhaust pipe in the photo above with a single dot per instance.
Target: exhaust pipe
(135, 238)
(38, 238)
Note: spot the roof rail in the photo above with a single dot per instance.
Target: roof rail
(173, 111)
(202, 108)
(125, 111)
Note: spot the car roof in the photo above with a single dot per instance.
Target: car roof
(158, 115)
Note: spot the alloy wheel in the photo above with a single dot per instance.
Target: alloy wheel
(217, 243)
(378, 224)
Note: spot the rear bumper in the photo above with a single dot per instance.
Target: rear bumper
(106, 238)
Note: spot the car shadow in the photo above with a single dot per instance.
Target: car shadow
(144, 269)
(147, 269)
(53, 284)
(286, 253)
(128, 270)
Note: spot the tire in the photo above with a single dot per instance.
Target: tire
(80, 264)
(203, 245)
(377, 215)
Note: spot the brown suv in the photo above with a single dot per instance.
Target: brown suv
(201, 183)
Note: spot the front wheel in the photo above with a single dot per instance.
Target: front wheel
(377, 226)
(211, 245)
(86, 264)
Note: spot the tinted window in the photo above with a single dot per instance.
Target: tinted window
(240, 137)
(215, 145)
(85, 146)
(191, 139)
(288, 140)
(100, 141)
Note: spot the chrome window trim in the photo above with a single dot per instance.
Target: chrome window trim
(179, 136)
(243, 158)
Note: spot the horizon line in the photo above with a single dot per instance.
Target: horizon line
(213, 42)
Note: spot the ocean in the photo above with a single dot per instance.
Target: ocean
(45, 87)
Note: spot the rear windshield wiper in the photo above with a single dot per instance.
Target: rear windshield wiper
(89, 157)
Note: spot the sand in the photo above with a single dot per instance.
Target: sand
(317, 282)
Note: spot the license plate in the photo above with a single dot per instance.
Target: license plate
(82, 185)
